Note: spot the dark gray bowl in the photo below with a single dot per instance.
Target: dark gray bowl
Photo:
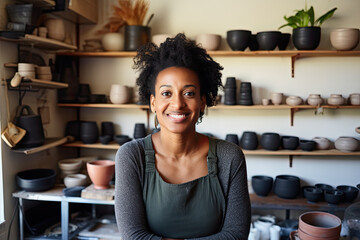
(270, 141)
(307, 145)
(36, 180)
(313, 194)
(350, 192)
(289, 142)
(121, 139)
(333, 196)
(261, 184)
(268, 40)
(238, 40)
(287, 186)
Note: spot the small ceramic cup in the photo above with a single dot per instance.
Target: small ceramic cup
(265, 101)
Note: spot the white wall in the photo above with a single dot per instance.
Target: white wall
(321, 75)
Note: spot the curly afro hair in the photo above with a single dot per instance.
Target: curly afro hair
(177, 52)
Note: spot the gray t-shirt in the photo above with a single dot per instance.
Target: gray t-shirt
(129, 205)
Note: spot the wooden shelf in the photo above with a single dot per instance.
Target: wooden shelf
(274, 202)
(49, 143)
(40, 42)
(103, 105)
(98, 145)
(42, 83)
(299, 152)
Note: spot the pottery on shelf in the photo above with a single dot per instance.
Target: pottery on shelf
(101, 172)
(261, 184)
(333, 196)
(56, 28)
(208, 41)
(344, 39)
(136, 36)
(307, 145)
(105, 139)
(119, 94)
(313, 194)
(350, 192)
(322, 143)
(245, 94)
(107, 128)
(233, 138)
(74, 180)
(289, 142)
(314, 99)
(268, 40)
(230, 91)
(270, 141)
(284, 41)
(346, 144)
(336, 99)
(249, 140)
(354, 99)
(306, 38)
(113, 41)
(276, 98)
(293, 100)
(89, 132)
(287, 186)
(238, 40)
(139, 130)
(253, 44)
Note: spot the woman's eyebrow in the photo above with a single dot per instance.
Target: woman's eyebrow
(165, 86)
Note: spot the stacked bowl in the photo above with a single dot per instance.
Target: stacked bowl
(70, 166)
(246, 94)
(26, 70)
(230, 91)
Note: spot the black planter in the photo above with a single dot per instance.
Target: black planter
(287, 186)
(307, 145)
(270, 141)
(253, 44)
(36, 180)
(350, 192)
(284, 41)
(139, 130)
(289, 142)
(246, 94)
(121, 139)
(232, 138)
(306, 38)
(262, 185)
(136, 36)
(89, 132)
(333, 196)
(107, 128)
(268, 40)
(249, 140)
(73, 129)
(238, 40)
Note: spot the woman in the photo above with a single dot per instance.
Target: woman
(178, 183)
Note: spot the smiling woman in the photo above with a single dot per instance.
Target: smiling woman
(178, 183)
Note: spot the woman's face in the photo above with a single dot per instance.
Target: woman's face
(177, 101)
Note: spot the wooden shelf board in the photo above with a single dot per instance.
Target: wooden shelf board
(49, 143)
(111, 145)
(282, 106)
(227, 53)
(103, 105)
(40, 42)
(274, 202)
(42, 83)
(299, 152)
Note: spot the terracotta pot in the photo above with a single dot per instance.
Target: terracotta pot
(314, 99)
(346, 144)
(319, 226)
(336, 99)
(101, 172)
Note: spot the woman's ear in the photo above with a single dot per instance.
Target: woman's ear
(203, 103)
(152, 103)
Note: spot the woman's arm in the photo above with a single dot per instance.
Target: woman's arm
(238, 208)
(129, 207)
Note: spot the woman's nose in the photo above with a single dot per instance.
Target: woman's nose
(178, 101)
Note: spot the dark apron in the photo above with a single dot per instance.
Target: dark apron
(187, 210)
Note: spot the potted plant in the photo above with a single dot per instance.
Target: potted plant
(129, 14)
(306, 30)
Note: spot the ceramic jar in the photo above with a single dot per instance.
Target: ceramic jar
(113, 41)
(322, 143)
(119, 94)
(354, 99)
(276, 98)
(314, 99)
(336, 99)
(56, 28)
(346, 144)
(293, 100)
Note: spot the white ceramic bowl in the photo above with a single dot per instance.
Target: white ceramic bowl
(113, 42)
(344, 38)
(346, 144)
(73, 180)
(26, 67)
(208, 41)
(322, 143)
(293, 100)
(70, 164)
(157, 39)
(276, 98)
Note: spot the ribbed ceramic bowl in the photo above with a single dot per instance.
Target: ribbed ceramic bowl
(209, 41)
(344, 38)
(36, 180)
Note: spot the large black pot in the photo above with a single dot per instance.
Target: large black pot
(268, 40)
(306, 38)
(238, 40)
(287, 186)
(230, 91)
(249, 140)
(89, 132)
(289, 142)
(270, 141)
(28, 120)
(136, 36)
(36, 180)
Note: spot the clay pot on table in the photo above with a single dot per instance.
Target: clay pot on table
(101, 172)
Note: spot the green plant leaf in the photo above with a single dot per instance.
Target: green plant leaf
(311, 15)
(326, 16)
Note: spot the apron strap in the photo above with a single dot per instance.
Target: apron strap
(212, 158)
(149, 155)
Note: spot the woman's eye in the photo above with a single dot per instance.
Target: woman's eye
(190, 94)
(166, 94)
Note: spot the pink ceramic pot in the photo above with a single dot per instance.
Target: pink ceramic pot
(101, 172)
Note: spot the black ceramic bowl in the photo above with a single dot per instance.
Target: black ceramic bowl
(262, 185)
(268, 40)
(36, 180)
(249, 140)
(289, 142)
(121, 139)
(270, 141)
(313, 194)
(324, 186)
(284, 41)
(105, 139)
(333, 196)
(350, 192)
(73, 191)
(238, 40)
(287, 186)
(253, 44)
(307, 145)
(232, 138)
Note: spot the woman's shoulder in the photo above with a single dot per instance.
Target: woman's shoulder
(228, 154)
(132, 150)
